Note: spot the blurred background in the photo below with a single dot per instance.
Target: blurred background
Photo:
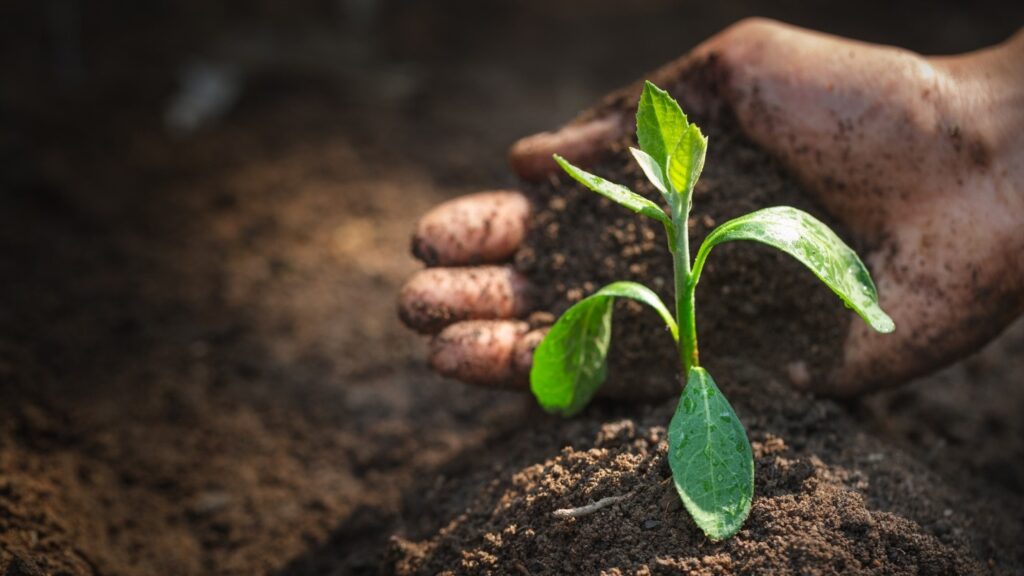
(205, 210)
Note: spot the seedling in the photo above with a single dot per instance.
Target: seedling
(708, 449)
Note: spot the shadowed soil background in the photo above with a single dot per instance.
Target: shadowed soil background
(201, 369)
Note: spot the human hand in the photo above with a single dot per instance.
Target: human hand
(921, 158)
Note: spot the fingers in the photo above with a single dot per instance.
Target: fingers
(581, 143)
(487, 227)
(480, 345)
(484, 227)
(496, 353)
(436, 297)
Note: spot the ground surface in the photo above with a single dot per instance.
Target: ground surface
(201, 371)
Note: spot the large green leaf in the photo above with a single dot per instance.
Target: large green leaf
(815, 245)
(569, 364)
(660, 123)
(712, 464)
(615, 192)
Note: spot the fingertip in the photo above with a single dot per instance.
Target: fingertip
(522, 359)
(424, 250)
(436, 297)
(486, 227)
(480, 352)
(417, 309)
(583, 143)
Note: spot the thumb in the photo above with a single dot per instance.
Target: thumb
(582, 142)
(598, 132)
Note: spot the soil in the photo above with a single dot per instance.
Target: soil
(186, 388)
(830, 499)
(202, 372)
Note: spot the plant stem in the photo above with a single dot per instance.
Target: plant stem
(688, 327)
(684, 288)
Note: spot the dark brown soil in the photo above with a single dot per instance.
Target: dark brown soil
(193, 376)
(830, 499)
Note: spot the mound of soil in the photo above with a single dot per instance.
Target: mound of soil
(829, 497)
(829, 500)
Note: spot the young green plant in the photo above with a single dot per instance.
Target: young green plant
(709, 453)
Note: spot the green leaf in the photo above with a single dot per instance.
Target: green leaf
(651, 169)
(687, 160)
(569, 364)
(712, 464)
(660, 123)
(815, 245)
(615, 192)
(675, 146)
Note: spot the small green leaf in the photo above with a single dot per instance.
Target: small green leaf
(687, 160)
(615, 192)
(815, 245)
(660, 123)
(652, 170)
(712, 464)
(675, 146)
(569, 364)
